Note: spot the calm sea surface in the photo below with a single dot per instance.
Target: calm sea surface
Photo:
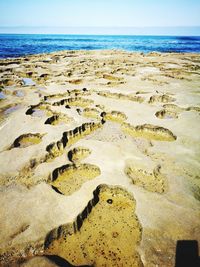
(14, 45)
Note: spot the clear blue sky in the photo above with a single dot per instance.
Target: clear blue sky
(99, 13)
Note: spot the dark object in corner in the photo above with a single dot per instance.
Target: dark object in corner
(187, 254)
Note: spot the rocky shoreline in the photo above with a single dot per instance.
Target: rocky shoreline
(99, 157)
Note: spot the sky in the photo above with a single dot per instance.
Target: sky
(55, 16)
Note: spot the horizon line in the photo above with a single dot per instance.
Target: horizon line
(102, 30)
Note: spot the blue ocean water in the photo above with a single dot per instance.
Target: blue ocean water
(15, 45)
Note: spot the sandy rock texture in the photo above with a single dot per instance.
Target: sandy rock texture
(99, 158)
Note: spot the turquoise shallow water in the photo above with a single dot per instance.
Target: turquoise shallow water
(15, 45)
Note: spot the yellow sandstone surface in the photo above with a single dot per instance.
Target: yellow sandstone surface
(100, 159)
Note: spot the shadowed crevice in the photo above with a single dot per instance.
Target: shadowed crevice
(59, 261)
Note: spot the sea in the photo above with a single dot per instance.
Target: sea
(16, 45)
